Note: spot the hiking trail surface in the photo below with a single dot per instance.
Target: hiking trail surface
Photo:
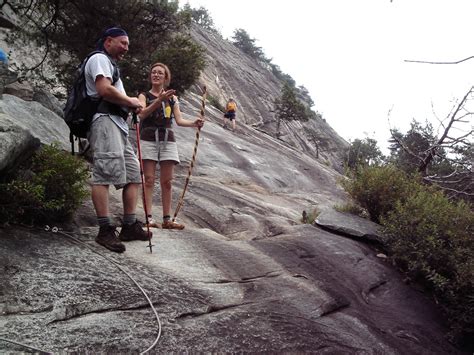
(245, 274)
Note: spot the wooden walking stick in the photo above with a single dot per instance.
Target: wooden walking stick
(193, 159)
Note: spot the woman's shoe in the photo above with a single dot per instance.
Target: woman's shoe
(171, 225)
(153, 224)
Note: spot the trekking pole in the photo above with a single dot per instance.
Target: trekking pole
(136, 121)
(191, 164)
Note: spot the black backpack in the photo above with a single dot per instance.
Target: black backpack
(80, 107)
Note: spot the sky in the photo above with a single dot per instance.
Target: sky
(352, 56)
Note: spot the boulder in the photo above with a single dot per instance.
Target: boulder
(16, 144)
(6, 77)
(22, 90)
(48, 100)
(24, 125)
(33, 117)
(350, 225)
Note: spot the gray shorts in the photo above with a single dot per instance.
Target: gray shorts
(115, 162)
(159, 152)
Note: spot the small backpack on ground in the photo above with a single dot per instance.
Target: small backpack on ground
(231, 106)
(80, 107)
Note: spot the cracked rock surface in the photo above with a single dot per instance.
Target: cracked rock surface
(307, 290)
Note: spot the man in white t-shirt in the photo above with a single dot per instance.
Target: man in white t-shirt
(114, 160)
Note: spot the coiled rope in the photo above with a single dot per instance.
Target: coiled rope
(193, 159)
(57, 230)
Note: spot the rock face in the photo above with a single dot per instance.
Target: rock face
(23, 126)
(302, 291)
(243, 276)
(42, 123)
(231, 73)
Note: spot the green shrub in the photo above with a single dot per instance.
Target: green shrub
(431, 238)
(377, 188)
(352, 208)
(50, 190)
(215, 102)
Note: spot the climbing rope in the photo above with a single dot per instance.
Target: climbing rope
(131, 278)
(78, 241)
(26, 346)
(193, 159)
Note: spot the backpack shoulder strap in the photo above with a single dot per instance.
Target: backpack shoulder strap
(86, 59)
(172, 102)
(115, 74)
(149, 97)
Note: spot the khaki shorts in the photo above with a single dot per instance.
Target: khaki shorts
(159, 152)
(115, 162)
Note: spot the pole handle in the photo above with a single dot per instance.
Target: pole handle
(135, 118)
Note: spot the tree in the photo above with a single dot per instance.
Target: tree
(275, 69)
(303, 95)
(363, 153)
(185, 58)
(201, 17)
(444, 158)
(417, 140)
(288, 107)
(73, 27)
(244, 42)
(320, 141)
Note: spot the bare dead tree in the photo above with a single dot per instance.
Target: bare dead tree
(460, 181)
(462, 177)
(429, 62)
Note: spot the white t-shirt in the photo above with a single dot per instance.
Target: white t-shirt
(99, 64)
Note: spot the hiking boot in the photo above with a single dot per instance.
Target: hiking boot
(107, 237)
(171, 225)
(133, 231)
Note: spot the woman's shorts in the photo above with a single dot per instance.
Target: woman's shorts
(159, 152)
(115, 162)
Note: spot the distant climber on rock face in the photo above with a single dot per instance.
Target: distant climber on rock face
(230, 110)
